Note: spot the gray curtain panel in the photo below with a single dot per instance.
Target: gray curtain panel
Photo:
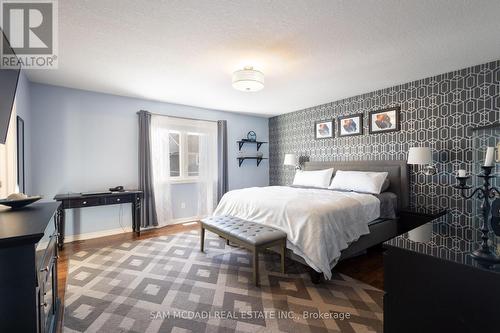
(222, 183)
(148, 212)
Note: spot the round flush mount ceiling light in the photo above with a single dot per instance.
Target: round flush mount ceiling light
(248, 80)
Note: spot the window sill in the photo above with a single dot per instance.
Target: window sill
(185, 181)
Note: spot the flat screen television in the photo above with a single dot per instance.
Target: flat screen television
(8, 85)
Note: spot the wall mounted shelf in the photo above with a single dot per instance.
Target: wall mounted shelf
(258, 159)
(258, 143)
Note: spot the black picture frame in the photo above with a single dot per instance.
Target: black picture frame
(359, 125)
(331, 127)
(21, 179)
(395, 124)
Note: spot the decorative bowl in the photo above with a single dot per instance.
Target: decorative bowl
(16, 204)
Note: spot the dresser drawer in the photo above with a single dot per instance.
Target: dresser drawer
(84, 202)
(47, 258)
(119, 199)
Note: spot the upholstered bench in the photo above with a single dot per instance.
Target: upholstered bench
(250, 235)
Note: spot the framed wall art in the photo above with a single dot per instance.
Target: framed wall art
(323, 129)
(350, 125)
(386, 120)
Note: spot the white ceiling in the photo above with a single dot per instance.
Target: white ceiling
(311, 51)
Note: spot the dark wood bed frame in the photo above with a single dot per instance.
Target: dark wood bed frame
(382, 230)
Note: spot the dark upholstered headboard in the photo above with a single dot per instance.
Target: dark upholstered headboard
(398, 173)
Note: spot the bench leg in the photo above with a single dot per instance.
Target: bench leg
(256, 266)
(202, 242)
(283, 253)
(227, 241)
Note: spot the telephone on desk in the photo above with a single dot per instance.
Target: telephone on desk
(117, 189)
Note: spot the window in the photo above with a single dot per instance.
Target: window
(184, 155)
(174, 143)
(193, 155)
(184, 168)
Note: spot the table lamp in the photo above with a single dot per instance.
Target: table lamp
(422, 156)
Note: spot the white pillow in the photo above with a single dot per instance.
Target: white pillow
(358, 181)
(319, 178)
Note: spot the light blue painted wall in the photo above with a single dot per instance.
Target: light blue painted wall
(83, 141)
(185, 196)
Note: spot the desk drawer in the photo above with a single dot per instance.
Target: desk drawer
(84, 202)
(119, 199)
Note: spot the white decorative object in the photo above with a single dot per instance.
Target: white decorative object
(422, 234)
(490, 156)
(422, 156)
(498, 153)
(248, 80)
(319, 178)
(462, 173)
(358, 181)
(290, 159)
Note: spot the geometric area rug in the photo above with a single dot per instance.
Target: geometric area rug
(165, 284)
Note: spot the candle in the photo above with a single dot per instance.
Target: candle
(462, 173)
(490, 158)
(498, 152)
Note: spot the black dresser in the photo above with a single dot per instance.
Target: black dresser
(28, 269)
(431, 293)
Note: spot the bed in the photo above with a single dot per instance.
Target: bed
(324, 226)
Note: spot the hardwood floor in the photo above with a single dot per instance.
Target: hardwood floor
(367, 268)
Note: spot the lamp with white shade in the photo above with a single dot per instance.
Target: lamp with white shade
(291, 160)
(422, 156)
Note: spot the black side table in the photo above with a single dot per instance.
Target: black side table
(414, 217)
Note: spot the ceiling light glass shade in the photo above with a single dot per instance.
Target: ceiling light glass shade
(420, 155)
(248, 79)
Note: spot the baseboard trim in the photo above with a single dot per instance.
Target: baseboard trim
(96, 234)
(110, 232)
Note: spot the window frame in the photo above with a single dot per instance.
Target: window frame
(184, 158)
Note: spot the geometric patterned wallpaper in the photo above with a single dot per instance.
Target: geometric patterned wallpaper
(439, 112)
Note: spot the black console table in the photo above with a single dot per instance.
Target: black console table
(78, 200)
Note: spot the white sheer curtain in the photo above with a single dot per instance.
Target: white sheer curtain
(197, 166)
(207, 185)
(160, 159)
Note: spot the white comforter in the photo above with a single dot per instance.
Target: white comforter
(318, 223)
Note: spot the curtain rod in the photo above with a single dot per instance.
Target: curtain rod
(186, 118)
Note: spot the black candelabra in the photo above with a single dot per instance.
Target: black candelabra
(485, 192)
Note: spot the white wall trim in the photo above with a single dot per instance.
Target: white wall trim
(96, 234)
(110, 232)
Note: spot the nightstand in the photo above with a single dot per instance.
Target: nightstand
(414, 217)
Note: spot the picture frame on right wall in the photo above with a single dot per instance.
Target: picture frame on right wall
(385, 120)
